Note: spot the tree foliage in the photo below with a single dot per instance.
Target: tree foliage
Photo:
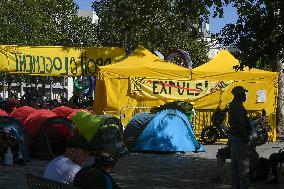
(258, 32)
(42, 22)
(156, 24)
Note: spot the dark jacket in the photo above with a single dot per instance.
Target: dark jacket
(93, 177)
(238, 120)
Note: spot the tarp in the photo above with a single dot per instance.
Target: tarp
(168, 131)
(56, 60)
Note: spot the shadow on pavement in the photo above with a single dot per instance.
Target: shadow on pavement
(147, 171)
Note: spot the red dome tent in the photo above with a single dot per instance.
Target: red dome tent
(22, 113)
(48, 133)
(52, 137)
(35, 121)
(75, 111)
(63, 111)
(3, 113)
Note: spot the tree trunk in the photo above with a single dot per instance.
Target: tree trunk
(280, 101)
(43, 88)
(9, 88)
(4, 89)
(21, 89)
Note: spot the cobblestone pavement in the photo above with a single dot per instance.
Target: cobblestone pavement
(157, 171)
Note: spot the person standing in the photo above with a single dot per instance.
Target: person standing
(239, 139)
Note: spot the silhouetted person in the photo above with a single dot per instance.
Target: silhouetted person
(239, 139)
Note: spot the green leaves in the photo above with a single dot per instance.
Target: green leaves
(41, 22)
(258, 32)
(157, 24)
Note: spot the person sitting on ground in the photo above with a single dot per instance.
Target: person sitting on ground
(274, 160)
(64, 168)
(97, 176)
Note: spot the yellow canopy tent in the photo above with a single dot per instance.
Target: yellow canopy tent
(143, 80)
(143, 63)
(262, 86)
(221, 67)
(113, 86)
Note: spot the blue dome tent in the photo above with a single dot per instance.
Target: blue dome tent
(166, 131)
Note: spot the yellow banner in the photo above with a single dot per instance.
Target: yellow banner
(174, 89)
(56, 60)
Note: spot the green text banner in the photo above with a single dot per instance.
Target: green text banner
(56, 60)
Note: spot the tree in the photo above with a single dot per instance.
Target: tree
(259, 34)
(41, 22)
(157, 24)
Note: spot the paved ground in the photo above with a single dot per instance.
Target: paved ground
(152, 171)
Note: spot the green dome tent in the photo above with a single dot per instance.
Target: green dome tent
(102, 131)
(88, 123)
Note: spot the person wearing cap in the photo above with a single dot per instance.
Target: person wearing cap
(97, 176)
(64, 168)
(239, 137)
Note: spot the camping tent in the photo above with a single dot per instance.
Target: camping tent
(35, 121)
(62, 111)
(166, 131)
(113, 95)
(143, 80)
(3, 113)
(22, 113)
(262, 86)
(48, 133)
(224, 66)
(101, 131)
(88, 124)
(52, 137)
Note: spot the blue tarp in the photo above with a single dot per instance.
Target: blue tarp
(168, 131)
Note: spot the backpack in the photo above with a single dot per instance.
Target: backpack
(261, 170)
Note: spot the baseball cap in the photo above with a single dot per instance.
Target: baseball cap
(78, 141)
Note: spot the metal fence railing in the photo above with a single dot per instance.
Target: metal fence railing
(201, 119)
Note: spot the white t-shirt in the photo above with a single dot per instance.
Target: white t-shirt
(61, 169)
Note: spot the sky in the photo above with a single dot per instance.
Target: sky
(216, 24)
